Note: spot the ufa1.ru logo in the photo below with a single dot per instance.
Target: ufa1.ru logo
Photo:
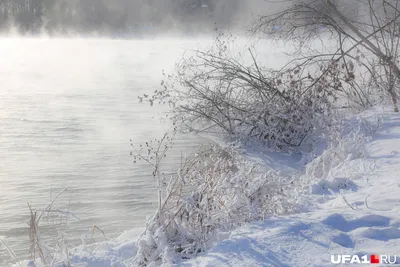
(366, 259)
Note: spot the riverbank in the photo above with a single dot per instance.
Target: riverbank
(347, 204)
(355, 212)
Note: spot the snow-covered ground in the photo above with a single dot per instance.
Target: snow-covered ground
(350, 206)
(362, 219)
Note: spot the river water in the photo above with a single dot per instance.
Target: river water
(68, 108)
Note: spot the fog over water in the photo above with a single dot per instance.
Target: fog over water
(127, 18)
(67, 112)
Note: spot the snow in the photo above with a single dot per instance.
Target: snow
(350, 206)
(357, 219)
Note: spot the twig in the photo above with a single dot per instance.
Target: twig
(94, 228)
(51, 203)
(10, 252)
(345, 200)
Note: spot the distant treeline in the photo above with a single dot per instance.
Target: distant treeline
(115, 16)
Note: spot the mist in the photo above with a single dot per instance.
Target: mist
(126, 18)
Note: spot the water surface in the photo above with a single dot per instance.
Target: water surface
(68, 109)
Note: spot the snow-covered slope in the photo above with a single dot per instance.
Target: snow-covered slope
(350, 205)
(363, 218)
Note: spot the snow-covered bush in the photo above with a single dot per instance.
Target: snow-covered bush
(347, 149)
(333, 169)
(217, 89)
(214, 190)
(221, 90)
(53, 251)
(363, 33)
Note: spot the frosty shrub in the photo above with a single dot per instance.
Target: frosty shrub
(331, 172)
(351, 148)
(219, 90)
(360, 33)
(213, 191)
(216, 90)
(46, 253)
(337, 164)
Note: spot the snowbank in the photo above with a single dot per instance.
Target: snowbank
(356, 211)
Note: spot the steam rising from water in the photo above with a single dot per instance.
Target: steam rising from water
(67, 112)
(128, 18)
